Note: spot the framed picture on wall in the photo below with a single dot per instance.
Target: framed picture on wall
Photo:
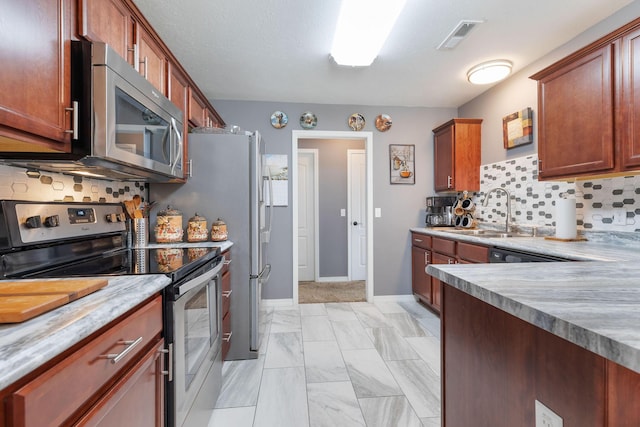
(517, 128)
(402, 164)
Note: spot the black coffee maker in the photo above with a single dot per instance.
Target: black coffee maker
(440, 211)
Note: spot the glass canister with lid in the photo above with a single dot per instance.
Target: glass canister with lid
(197, 230)
(168, 227)
(219, 231)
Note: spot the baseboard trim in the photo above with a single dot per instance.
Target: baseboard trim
(333, 279)
(393, 298)
(277, 302)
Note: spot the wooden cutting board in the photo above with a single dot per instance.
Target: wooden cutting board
(73, 288)
(18, 308)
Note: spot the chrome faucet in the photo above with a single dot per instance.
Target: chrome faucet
(505, 191)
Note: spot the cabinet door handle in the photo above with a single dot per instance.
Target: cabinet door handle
(451, 261)
(539, 165)
(227, 262)
(427, 258)
(130, 345)
(227, 294)
(449, 181)
(227, 336)
(74, 120)
(145, 63)
(169, 371)
(136, 57)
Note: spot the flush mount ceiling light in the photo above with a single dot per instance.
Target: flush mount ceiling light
(489, 72)
(363, 27)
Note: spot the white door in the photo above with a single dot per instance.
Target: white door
(306, 214)
(357, 215)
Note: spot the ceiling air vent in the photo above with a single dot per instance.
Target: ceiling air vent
(458, 33)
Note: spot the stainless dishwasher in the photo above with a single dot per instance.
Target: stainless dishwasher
(502, 255)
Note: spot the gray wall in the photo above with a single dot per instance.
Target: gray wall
(519, 91)
(402, 205)
(332, 183)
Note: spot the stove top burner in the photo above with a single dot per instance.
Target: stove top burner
(173, 262)
(59, 239)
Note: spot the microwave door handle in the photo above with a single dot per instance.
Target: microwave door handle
(166, 136)
(174, 127)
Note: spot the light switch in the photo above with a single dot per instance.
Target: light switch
(343, 212)
(377, 212)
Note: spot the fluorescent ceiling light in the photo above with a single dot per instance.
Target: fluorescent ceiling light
(363, 27)
(489, 72)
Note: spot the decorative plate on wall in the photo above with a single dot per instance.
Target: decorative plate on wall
(279, 119)
(356, 121)
(308, 120)
(383, 122)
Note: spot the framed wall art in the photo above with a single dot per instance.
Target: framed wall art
(402, 164)
(517, 128)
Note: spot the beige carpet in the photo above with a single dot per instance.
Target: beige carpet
(316, 292)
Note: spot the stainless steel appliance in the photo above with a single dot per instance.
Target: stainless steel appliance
(124, 128)
(501, 255)
(57, 239)
(439, 211)
(228, 182)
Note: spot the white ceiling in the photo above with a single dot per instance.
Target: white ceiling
(278, 50)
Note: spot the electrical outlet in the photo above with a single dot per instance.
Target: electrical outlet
(545, 417)
(619, 217)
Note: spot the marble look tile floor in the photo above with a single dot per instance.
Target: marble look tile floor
(338, 364)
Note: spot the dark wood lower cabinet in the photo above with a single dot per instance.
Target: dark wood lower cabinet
(137, 399)
(494, 367)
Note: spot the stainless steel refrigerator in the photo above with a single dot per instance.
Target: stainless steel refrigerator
(228, 181)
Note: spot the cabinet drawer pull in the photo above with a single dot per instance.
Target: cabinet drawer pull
(227, 261)
(130, 345)
(417, 240)
(227, 337)
(227, 294)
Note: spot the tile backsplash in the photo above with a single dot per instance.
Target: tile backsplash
(607, 204)
(16, 184)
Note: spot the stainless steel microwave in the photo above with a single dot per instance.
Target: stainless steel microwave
(124, 128)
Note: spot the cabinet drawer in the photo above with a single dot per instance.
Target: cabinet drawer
(227, 261)
(473, 253)
(444, 246)
(421, 240)
(226, 293)
(226, 335)
(56, 394)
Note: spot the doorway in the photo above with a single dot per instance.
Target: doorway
(365, 238)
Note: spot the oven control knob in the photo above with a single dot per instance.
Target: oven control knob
(122, 217)
(33, 222)
(52, 221)
(112, 217)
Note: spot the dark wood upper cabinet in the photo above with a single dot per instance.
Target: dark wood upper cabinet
(457, 153)
(111, 22)
(575, 117)
(630, 100)
(35, 53)
(589, 109)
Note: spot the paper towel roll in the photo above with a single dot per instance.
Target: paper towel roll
(566, 219)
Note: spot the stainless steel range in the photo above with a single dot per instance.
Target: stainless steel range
(58, 239)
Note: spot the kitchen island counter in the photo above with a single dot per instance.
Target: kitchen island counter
(595, 305)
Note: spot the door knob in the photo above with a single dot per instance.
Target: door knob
(355, 222)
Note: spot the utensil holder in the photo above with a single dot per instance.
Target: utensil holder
(140, 232)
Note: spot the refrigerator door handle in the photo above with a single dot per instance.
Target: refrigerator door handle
(266, 235)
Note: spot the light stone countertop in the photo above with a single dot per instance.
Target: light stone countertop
(595, 305)
(26, 346)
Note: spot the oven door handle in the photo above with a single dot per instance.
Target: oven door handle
(204, 278)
